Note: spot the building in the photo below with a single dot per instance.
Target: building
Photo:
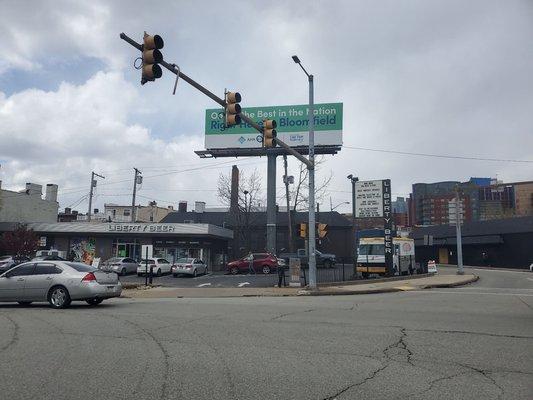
(150, 213)
(84, 241)
(483, 199)
(499, 243)
(28, 205)
(250, 229)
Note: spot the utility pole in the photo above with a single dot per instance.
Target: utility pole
(135, 181)
(289, 216)
(458, 215)
(93, 185)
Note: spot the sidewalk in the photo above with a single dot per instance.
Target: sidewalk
(435, 281)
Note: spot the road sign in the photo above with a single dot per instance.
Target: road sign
(147, 251)
(292, 126)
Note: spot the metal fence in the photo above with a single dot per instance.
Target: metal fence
(338, 273)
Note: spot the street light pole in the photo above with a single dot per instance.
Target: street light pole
(460, 270)
(311, 168)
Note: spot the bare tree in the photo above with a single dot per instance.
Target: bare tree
(299, 194)
(247, 203)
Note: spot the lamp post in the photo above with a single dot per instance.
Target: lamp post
(354, 180)
(311, 168)
(338, 205)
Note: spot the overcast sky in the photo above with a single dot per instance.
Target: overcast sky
(441, 77)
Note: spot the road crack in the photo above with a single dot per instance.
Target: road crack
(357, 384)
(291, 313)
(15, 337)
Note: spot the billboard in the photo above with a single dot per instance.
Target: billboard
(369, 199)
(293, 126)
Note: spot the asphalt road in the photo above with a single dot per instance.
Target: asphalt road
(474, 342)
(220, 279)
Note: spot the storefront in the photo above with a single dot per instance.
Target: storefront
(84, 241)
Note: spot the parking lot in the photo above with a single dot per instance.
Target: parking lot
(221, 279)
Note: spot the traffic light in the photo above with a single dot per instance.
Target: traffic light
(322, 230)
(303, 230)
(269, 133)
(233, 108)
(151, 57)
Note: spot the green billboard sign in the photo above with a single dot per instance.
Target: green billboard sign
(292, 121)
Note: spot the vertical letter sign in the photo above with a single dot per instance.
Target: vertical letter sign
(387, 222)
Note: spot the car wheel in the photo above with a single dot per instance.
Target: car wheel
(94, 302)
(194, 273)
(123, 272)
(58, 297)
(266, 269)
(24, 303)
(234, 270)
(327, 264)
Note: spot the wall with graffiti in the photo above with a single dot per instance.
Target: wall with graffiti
(82, 249)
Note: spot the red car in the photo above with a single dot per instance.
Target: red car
(262, 262)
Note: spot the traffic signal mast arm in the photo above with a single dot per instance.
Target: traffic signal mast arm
(175, 70)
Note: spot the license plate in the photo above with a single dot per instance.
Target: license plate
(110, 288)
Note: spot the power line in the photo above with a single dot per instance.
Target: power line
(408, 153)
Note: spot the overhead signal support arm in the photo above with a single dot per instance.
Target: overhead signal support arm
(175, 70)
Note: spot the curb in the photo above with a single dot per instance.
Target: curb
(377, 280)
(345, 292)
(450, 285)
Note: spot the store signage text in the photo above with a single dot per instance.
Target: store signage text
(156, 228)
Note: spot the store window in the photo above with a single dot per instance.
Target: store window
(123, 247)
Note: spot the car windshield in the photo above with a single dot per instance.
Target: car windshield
(81, 267)
(185, 260)
(150, 261)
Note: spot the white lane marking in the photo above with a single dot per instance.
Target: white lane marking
(243, 284)
(204, 284)
(530, 279)
(474, 293)
(493, 288)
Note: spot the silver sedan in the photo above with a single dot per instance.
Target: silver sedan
(59, 283)
(189, 266)
(120, 265)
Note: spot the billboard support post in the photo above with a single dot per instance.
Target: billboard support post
(271, 203)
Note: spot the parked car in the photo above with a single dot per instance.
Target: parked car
(189, 266)
(8, 262)
(322, 259)
(58, 282)
(262, 262)
(120, 265)
(159, 267)
(52, 257)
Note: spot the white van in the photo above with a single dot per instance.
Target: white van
(371, 256)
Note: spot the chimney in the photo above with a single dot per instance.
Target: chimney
(199, 207)
(75, 212)
(182, 206)
(68, 210)
(33, 189)
(51, 193)
(234, 196)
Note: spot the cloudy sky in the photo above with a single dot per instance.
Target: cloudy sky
(438, 77)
